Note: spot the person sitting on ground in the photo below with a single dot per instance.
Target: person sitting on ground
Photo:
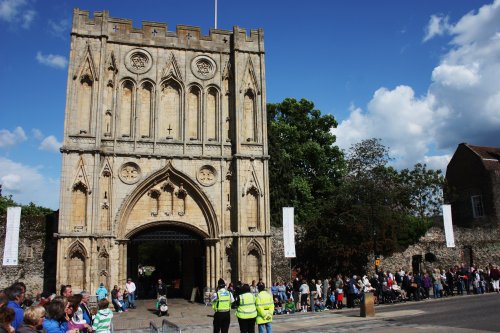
(121, 298)
(278, 309)
(318, 304)
(103, 318)
(114, 299)
(289, 306)
(33, 320)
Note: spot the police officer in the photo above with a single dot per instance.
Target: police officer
(265, 309)
(246, 311)
(221, 303)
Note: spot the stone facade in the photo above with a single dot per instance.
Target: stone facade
(163, 130)
(37, 254)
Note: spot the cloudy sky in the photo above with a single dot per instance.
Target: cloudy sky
(421, 75)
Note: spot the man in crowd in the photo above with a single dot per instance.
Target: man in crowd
(66, 290)
(15, 294)
(130, 286)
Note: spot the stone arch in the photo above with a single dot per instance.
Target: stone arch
(126, 104)
(167, 223)
(76, 263)
(249, 116)
(168, 172)
(254, 256)
(170, 109)
(193, 117)
(212, 112)
(145, 108)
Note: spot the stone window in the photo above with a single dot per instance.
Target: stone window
(193, 115)
(477, 206)
(211, 114)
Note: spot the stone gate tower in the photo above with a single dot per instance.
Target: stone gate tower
(165, 139)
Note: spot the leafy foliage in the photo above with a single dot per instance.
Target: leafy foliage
(374, 209)
(26, 210)
(304, 165)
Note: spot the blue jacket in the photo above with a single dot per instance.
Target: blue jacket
(101, 293)
(19, 314)
(54, 326)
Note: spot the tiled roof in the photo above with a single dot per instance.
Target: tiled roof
(490, 156)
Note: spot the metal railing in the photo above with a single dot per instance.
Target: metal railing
(166, 327)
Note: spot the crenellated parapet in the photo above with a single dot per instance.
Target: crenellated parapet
(121, 30)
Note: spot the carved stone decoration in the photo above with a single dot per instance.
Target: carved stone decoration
(130, 173)
(203, 67)
(207, 175)
(181, 194)
(138, 61)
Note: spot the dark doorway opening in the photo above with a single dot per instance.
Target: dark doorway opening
(416, 260)
(172, 253)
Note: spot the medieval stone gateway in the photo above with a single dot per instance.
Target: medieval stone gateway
(164, 155)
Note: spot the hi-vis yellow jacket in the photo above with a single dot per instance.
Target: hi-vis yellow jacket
(265, 307)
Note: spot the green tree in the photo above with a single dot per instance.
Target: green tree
(26, 210)
(374, 209)
(305, 165)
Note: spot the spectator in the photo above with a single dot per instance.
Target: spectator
(101, 292)
(66, 290)
(103, 318)
(33, 320)
(55, 321)
(130, 287)
(15, 294)
(7, 316)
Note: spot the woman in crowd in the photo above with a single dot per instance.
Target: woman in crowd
(33, 320)
(55, 321)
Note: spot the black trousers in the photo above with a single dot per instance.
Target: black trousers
(221, 322)
(247, 325)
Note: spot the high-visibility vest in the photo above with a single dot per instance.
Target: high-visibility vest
(265, 307)
(246, 309)
(223, 302)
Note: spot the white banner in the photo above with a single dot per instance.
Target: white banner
(288, 232)
(448, 226)
(11, 249)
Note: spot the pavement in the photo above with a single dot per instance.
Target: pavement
(189, 317)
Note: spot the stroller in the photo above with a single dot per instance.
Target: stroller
(162, 306)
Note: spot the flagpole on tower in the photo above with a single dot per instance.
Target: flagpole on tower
(215, 14)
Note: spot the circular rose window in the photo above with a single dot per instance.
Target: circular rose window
(129, 173)
(138, 61)
(203, 67)
(207, 175)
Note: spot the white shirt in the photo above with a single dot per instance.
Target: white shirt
(130, 286)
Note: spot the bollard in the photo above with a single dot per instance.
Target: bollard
(367, 308)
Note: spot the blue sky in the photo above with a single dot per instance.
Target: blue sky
(421, 75)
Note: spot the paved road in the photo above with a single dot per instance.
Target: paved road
(460, 314)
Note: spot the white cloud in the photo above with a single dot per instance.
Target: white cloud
(27, 184)
(37, 134)
(17, 11)
(8, 138)
(52, 60)
(462, 103)
(456, 76)
(59, 29)
(437, 26)
(50, 143)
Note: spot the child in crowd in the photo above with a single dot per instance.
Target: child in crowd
(289, 306)
(102, 320)
(277, 306)
(340, 298)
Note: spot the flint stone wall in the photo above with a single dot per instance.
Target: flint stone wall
(478, 246)
(37, 255)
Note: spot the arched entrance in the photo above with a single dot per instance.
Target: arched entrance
(173, 253)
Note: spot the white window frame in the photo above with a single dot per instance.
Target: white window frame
(477, 206)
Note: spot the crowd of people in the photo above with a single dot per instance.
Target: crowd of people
(301, 295)
(66, 312)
